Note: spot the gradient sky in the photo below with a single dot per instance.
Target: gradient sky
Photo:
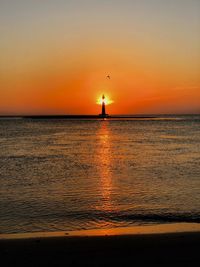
(55, 56)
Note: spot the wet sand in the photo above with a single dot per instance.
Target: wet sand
(169, 249)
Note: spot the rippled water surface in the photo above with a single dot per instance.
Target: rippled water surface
(83, 174)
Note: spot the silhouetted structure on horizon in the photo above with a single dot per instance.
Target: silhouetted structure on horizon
(103, 112)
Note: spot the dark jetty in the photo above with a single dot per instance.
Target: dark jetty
(87, 117)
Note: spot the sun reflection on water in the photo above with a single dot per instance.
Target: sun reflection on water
(105, 172)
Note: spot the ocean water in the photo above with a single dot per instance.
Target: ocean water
(62, 174)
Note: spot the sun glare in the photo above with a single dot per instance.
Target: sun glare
(106, 100)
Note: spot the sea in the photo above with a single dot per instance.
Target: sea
(76, 174)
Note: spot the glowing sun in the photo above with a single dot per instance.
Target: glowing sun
(104, 99)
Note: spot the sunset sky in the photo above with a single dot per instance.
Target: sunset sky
(55, 56)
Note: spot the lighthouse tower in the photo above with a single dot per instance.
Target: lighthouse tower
(103, 108)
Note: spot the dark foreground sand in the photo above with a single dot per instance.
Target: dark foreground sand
(174, 249)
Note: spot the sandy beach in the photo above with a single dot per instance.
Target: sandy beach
(163, 249)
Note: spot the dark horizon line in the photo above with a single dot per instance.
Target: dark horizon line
(95, 115)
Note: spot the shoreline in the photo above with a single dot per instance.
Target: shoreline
(175, 244)
(161, 249)
(167, 228)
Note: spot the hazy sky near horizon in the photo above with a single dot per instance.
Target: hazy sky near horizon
(55, 56)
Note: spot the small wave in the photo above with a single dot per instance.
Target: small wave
(159, 217)
(133, 218)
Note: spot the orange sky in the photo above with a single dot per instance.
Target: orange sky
(55, 57)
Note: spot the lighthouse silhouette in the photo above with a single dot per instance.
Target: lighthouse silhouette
(103, 108)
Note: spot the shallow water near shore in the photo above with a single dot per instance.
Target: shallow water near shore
(69, 175)
(117, 231)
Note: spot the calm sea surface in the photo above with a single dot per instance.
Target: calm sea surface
(85, 174)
